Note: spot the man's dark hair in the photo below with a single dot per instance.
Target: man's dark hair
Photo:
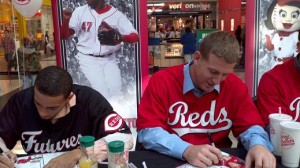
(188, 30)
(54, 81)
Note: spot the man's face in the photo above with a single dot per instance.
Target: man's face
(50, 108)
(94, 3)
(208, 73)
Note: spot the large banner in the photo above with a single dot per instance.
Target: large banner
(277, 24)
(125, 55)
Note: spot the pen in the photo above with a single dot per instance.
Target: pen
(210, 139)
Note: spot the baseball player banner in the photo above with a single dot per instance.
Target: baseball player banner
(277, 25)
(99, 48)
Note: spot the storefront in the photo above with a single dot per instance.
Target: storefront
(20, 26)
(165, 51)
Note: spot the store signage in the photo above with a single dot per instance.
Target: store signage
(189, 6)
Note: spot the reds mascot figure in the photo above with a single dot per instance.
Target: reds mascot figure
(283, 18)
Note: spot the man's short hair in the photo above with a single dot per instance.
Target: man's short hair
(222, 44)
(54, 81)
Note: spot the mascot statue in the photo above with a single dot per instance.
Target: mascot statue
(283, 16)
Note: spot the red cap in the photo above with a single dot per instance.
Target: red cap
(284, 2)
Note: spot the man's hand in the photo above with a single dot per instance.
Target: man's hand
(67, 13)
(202, 155)
(7, 162)
(66, 160)
(259, 157)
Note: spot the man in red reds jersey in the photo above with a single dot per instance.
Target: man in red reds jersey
(280, 87)
(182, 103)
(100, 29)
(53, 115)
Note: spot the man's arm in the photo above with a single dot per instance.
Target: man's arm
(68, 159)
(7, 158)
(172, 145)
(66, 32)
(256, 141)
(255, 135)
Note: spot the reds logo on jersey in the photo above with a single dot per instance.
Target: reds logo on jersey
(22, 2)
(113, 122)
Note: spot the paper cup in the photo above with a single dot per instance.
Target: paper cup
(290, 143)
(275, 120)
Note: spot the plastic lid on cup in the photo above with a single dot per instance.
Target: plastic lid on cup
(87, 141)
(280, 117)
(116, 146)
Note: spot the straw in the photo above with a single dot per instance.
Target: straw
(279, 108)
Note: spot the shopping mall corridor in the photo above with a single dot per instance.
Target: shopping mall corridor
(9, 84)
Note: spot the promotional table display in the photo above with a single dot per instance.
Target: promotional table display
(87, 146)
(117, 158)
(275, 120)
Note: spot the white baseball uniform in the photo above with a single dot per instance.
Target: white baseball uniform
(98, 61)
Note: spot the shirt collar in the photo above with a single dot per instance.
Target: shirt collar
(188, 84)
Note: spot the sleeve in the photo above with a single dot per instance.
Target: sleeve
(125, 26)
(104, 120)
(269, 97)
(8, 124)
(74, 22)
(152, 112)
(171, 144)
(255, 135)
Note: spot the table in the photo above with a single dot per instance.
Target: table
(157, 160)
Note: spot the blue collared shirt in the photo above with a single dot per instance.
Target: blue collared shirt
(188, 84)
(174, 146)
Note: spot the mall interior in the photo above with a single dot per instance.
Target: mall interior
(163, 51)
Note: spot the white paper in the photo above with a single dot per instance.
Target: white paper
(37, 161)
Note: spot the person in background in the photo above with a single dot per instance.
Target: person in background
(53, 115)
(172, 32)
(100, 29)
(28, 63)
(279, 88)
(188, 40)
(182, 103)
(8, 44)
(47, 40)
(188, 23)
(237, 33)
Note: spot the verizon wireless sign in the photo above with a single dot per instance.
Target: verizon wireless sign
(189, 6)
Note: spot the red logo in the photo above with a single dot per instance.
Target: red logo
(22, 2)
(287, 141)
(113, 122)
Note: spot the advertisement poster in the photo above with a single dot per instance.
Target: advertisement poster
(125, 57)
(277, 25)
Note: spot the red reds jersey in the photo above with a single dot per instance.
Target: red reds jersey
(164, 105)
(280, 87)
